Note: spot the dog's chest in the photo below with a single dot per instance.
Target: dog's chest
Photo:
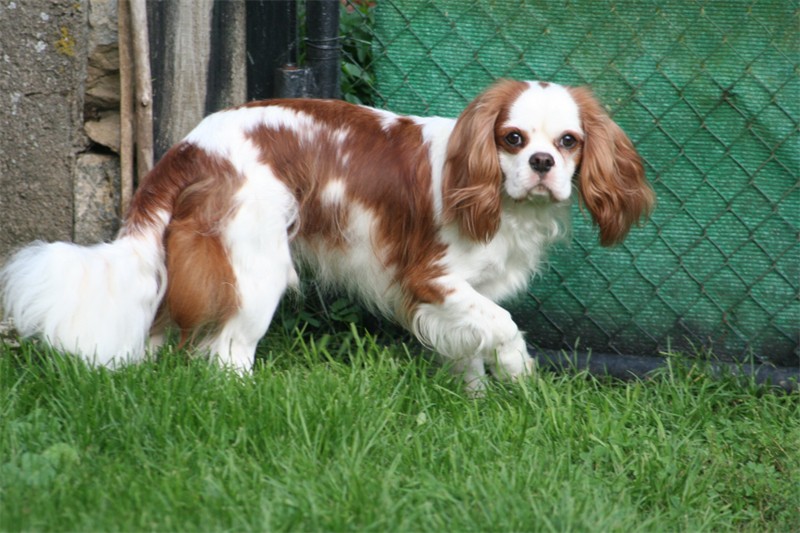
(502, 270)
(503, 266)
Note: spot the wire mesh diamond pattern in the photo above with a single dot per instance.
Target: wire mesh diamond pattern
(709, 92)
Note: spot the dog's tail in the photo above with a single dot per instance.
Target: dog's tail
(100, 301)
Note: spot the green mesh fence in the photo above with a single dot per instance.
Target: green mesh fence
(710, 94)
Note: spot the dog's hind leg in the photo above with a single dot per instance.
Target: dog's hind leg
(256, 241)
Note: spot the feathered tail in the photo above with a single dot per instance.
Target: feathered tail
(97, 302)
(100, 301)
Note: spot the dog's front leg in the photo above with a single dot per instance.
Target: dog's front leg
(470, 332)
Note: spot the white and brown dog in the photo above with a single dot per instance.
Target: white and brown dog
(429, 221)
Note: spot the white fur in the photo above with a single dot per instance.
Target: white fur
(503, 266)
(224, 133)
(471, 331)
(96, 301)
(359, 269)
(436, 132)
(334, 193)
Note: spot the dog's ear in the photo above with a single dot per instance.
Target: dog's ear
(472, 176)
(611, 176)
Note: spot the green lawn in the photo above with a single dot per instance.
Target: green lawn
(346, 434)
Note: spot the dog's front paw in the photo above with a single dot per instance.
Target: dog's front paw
(512, 361)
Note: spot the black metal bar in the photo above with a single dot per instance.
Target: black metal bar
(272, 43)
(292, 82)
(225, 36)
(159, 23)
(628, 367)
(323, 48)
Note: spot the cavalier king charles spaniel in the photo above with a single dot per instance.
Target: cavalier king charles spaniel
(429, 221)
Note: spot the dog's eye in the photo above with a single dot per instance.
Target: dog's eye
(514, 139)
(568, 141)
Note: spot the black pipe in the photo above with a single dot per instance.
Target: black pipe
(323, 48)
(272, 43)
(292, 82)
(225, 39)
(626, 367)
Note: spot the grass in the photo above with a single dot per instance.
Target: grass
(344, 433)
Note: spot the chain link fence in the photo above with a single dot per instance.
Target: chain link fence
(710, 94)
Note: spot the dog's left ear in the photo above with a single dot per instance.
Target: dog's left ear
(472, 178)
(611, 176)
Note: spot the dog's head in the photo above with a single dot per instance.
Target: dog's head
(525, 141)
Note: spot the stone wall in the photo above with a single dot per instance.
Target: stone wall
(97, 167)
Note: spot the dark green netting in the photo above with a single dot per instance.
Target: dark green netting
(709, 92)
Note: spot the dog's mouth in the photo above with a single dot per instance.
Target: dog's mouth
(539, 191)
(539, 194)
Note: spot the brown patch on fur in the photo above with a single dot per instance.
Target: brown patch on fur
(611, 176)
(197, 188)
(201, 288)
(385, 170)
(159, 189)
(472, 175)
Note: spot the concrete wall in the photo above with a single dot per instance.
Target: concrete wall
(42, 72)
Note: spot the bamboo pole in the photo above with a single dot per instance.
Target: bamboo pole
(144, 90)
(126, 153)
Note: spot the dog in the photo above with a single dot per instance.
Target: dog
(429, 221)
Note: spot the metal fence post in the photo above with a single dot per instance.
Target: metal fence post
(323, 48)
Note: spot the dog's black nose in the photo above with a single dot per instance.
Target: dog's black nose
(542, 162)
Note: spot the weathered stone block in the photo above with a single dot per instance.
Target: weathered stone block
(105, 130)
(96, 198)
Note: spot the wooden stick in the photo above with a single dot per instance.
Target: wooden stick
(126, 153)
(144, 89)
